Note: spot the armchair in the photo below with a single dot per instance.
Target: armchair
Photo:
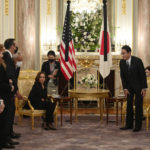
(25, 83)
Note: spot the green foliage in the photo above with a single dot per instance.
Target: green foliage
(86, 29)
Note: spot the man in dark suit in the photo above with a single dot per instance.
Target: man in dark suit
(10, 46)
(134, 83)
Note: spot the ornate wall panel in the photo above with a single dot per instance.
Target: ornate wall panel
(144, 31)
(124, 23)
(48, 13)
(7, 19)
(26, 25)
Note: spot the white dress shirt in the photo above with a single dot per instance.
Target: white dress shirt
(9, 52)
(129, 61)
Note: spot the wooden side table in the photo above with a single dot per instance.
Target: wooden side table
(60, 100)
(116, 100)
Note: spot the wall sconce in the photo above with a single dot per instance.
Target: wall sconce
(49, 41)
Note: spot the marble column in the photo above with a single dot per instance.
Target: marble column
(144, 31)
(26, 32)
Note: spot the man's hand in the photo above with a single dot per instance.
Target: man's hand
(2, 106)
(18, 95)
(12, 88)
(42, 100)
(51, 76)
(126, 92)
(143, 92)
(10, 81)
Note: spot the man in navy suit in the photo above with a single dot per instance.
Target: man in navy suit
(134, 83)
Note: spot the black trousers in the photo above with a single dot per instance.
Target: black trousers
(49, 107)
(2, 127)
(5, 124)
(138, 109)
(12, 115)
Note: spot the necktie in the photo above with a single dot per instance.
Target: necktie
(128, 65)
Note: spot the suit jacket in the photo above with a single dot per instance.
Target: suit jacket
(5, 89)
(36, 94)
(46, 69)
(135, 76)
(10, 69)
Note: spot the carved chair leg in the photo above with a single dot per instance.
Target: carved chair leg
(147, 121)
(56, 116)
(20, 119)
(32, 117)
(123, 120)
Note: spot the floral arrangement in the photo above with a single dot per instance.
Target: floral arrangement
(86, 29)
(88, 80)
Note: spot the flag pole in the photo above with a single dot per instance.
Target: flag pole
(105, 28)
(105, 34)
(104, 83)
(75, 80)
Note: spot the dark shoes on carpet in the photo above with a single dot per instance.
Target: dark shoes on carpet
(126, 128)
(48, 126)
(13, 142)
(130, 127)
(51, 127)
(136, 129)
(8, 146)
(15, 135)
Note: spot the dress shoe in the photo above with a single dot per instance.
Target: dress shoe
(13, 142)
(136, 129)
(45, 126)
(15, 135)
(8, 146)
(51, 127)
(126, 128)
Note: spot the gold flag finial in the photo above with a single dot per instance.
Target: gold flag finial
(100, 1)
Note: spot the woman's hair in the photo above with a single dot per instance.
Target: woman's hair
(38, 76)
(51, 52)
(1, 59)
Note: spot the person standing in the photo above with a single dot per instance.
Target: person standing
(10, 46)
(51, 69)
(5, 102)
(134, 83)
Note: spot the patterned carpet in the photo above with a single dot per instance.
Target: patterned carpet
(87, 134)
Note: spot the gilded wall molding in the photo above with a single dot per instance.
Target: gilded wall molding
(6, 7)
(49, 7)
(124, 7)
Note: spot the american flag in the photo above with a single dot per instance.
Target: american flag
(67, 52)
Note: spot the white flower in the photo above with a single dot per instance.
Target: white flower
(84, 33)
(81, 24)
(76, 39)
(89, 36)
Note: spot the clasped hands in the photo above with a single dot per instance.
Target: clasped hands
(2, 106)
(126, 92)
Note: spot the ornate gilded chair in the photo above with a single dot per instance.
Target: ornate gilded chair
(25, 83)
(146, 106)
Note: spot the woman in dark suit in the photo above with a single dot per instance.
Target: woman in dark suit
(52, 70)
(38, 99)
